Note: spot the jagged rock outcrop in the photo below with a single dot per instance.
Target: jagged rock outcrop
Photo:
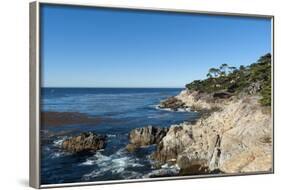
(235, 139)
(87, 141)
(172, 103)
(254, 88)
(194, 101)
(145, 136)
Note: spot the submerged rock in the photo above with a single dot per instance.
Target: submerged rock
(131, 147)
(145, 136)
(88, 141)
(52, 119)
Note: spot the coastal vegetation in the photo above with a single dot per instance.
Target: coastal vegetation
(255, 78)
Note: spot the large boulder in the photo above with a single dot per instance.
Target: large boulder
(145, 136)
(88, 141)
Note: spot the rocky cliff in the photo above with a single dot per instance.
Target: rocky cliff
(237, 137)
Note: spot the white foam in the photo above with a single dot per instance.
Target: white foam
(59, 141)
(183, 110)
(164, 171)
(58, 154)
(88, 162)
(110, 135)
(165, 166)
(171, 110)
(116, 164)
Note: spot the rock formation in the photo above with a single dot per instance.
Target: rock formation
(145, 136)
(88, 141)
(237, 138)
(172, 103)
(192, 100)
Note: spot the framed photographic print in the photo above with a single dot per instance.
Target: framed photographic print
(130, 94)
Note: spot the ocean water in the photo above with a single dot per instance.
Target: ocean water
(122, 109)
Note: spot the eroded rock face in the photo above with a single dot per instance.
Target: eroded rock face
(196, 100)
(173, 144)
(235, 139)
(145, 136)
(88, 141)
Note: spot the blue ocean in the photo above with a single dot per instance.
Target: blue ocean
(121, 110)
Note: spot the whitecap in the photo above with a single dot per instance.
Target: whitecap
(88, 162)
(184, 110)
(58, 154)
(116, 163)
(171, 110)
(58, 142)
(111, 135)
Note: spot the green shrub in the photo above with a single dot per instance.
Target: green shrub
(233, 80)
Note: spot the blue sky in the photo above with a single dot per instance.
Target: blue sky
(91, 47)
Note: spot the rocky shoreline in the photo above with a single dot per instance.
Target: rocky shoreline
(234, 137)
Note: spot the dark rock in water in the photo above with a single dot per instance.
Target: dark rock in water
(145, 136)
(172, 103)
(88, 141)
(222, 95)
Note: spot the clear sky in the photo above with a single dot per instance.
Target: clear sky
(91, 47)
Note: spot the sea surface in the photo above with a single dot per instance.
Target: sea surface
(122, 109)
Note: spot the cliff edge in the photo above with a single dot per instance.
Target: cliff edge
(235, 138)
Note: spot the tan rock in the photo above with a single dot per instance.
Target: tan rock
(131, 147)
(235, 139)
(84, 142)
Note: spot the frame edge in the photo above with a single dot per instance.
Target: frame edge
(34, 130)
(34, 161)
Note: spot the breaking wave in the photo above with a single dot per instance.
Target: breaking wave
(171, 110)
(58, 142)
(117, 163)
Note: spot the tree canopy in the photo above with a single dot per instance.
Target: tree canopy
(236, 80)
